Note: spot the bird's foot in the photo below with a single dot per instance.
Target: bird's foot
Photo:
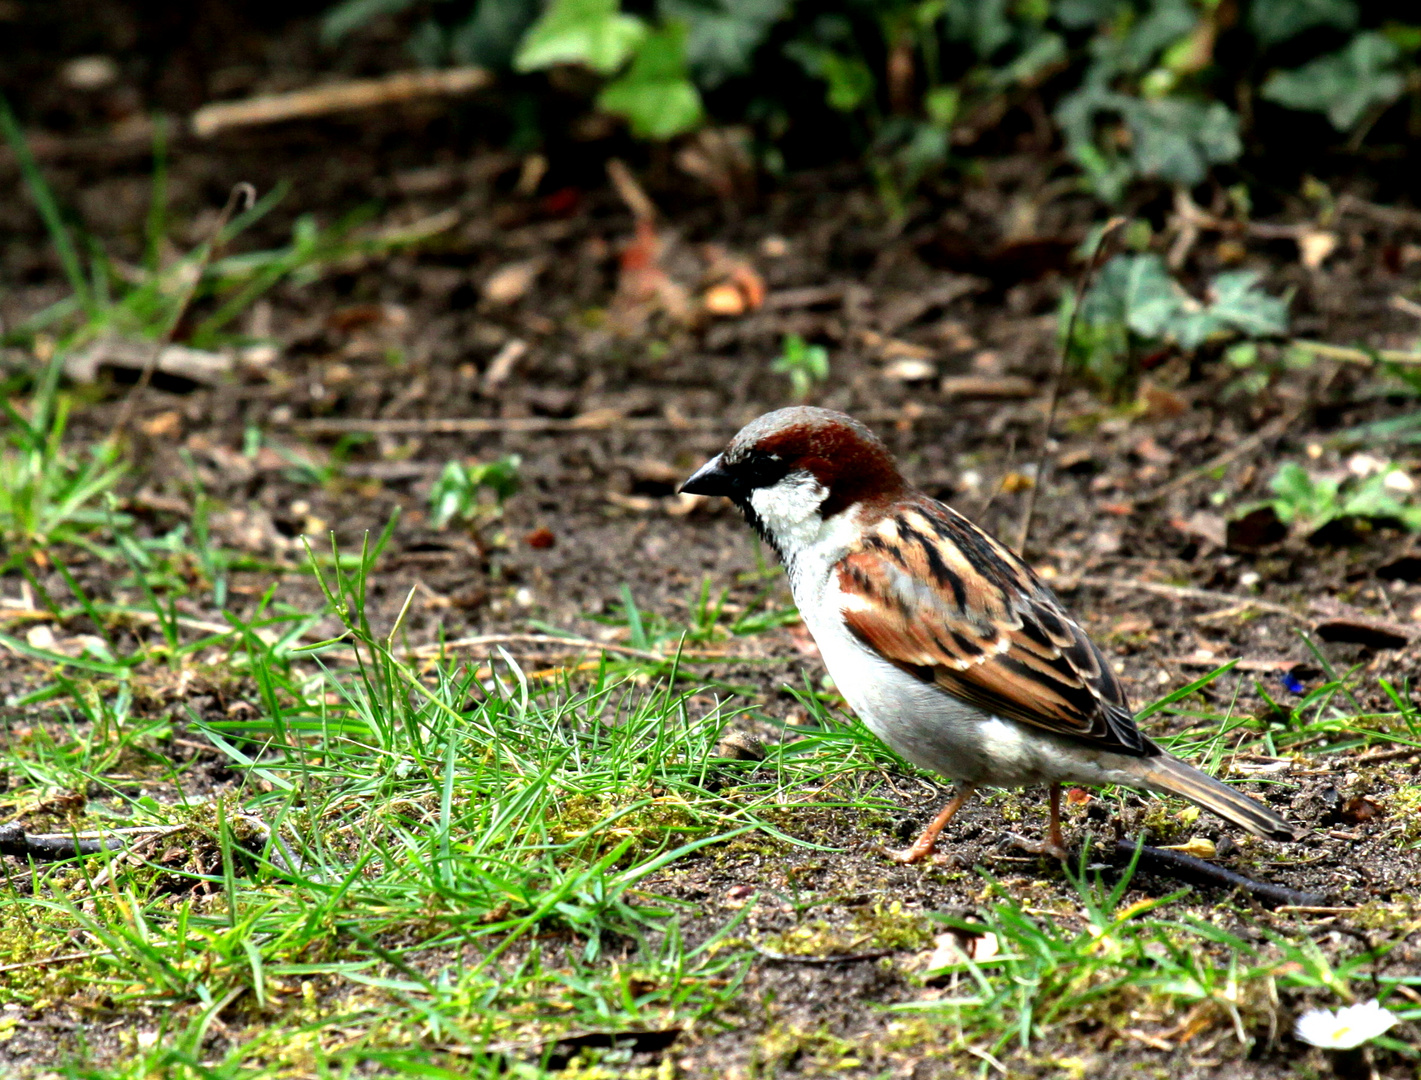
(905, 856)
(1039, 847)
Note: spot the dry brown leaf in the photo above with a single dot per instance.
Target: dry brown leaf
(511, 283)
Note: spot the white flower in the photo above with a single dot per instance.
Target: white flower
(1346, 1028)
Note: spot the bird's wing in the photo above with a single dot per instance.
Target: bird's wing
(941, 599)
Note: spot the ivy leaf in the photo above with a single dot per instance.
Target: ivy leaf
(654, 94)
(1239, 302)
(1149, 297)
(1178, 140)
(1276, 21)
(983, 24)
(724, 34)
(491, 34)
(1344, 84)
(349, 15)
(590, 32)
(849, 80)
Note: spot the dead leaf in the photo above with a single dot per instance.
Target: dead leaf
(986, 386)
(541, 539)
(1199, 847)
(1360, 809)
(1360, 630)
(1315, 246)
(959, 946)
(1256, 529)
(724, 299)
(643, 287)
(1204, 526)
(40, 636)
(909, 370)
(164, 425)
(510, 283)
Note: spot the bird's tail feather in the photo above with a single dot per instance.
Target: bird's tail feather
(1169, 774)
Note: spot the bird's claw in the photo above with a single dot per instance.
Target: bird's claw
(1039, 847)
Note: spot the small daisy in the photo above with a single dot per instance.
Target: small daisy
(1346, 1028)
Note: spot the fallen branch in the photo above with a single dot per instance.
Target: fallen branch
(569, 643)
(1194, 871)
(50, 847)
(318, 101)
(846, 958)
(1244, 446)
(1179, 592)
(535, 425)
(1357, 356)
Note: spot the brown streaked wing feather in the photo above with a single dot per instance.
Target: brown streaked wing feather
(940, 598)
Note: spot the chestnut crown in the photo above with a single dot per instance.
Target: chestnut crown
(848, 460)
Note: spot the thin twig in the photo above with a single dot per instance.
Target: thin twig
(1057, 378)
(571, 643)
(1179, 592)
(317, 101)
(243, 193)
(1187, 868)
(536, 425)
(44, 961)
(1264, 434)
(1356, 356)
(847, 958)
(48, 847)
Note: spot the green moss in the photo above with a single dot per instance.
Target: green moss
(891, 927)
(590, 826)
(1403, 806)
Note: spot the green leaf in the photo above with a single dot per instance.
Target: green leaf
(655, 95)
(350, 15)
(1344, 85)
(1178, 140)
(590, 32)
(983, 24)
(491, 35)
(1149, 296)
(1275, 21)
(849, 79)
(1239, 302)
(723, 34)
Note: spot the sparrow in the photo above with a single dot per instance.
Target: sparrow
(944, 642)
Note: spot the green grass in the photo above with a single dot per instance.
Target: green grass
(427, 867)
(421, 862)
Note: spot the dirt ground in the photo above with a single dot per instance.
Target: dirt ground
(413, 337)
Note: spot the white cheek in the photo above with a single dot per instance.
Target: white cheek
(790, 509)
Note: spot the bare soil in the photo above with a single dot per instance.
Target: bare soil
(412, 336)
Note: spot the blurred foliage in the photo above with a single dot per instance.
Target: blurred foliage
(1164, 90)
(1309, 502)
(473, 492)
(1136, 304)
(806, 365)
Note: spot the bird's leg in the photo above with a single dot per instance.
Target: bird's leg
(1054, 844)
(923, 846)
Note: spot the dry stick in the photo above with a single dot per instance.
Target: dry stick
(243, 192)
(576, 644)
(1180, 592)
(1238, 450)
(1057, 378)
(54, 960)
(1196, 871)
(537, 425)
(317, 101)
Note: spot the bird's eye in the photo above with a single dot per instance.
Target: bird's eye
(760, 469)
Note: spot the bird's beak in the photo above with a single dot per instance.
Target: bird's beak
(710, 479)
